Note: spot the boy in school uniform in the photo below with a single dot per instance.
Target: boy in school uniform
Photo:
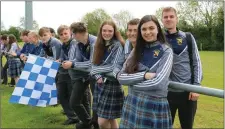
(52, 32)
(131, 36)
(64, 80)
(51, 46)
(34, 39)
(27, 47)
(186, 68)
(80, 56)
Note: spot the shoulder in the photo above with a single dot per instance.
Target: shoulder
(183, 34)
(55, 41)
(14, 43)
(117, 43)
(74, 41)
(92, 38)
(40, 43)
(166, 48)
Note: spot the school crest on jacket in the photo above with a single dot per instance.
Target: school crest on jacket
(151, 54)
(179, 41)
(156, 53)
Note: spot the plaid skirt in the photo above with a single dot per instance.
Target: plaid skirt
(144, 111)
(15, 68)
(108, 100)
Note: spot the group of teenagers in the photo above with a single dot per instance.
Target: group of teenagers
(145, 63)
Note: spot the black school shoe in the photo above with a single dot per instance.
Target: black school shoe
(70, 121)
(4, 83)
(82, 125)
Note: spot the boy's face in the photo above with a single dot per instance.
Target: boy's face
(45, 37)
(31, 38)
(132, 33)
(169, 19)
(24, 38)
(5, 41)
(80, 37)
(65, 35)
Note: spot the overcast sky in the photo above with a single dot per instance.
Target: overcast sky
(55, 13)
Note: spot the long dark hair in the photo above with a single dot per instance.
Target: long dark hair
(100, 42)
(132, 66)
(12, 39)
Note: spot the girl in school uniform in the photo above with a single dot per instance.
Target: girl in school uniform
(108, 94)
(146, 72)
(14, 63)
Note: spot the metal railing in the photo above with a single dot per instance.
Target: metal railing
(182, 86)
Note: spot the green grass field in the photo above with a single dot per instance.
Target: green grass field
(210, 113)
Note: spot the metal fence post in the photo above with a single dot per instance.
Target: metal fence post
(28, 15)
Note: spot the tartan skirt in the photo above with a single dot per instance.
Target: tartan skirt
(15, 68)
(144, 111)
(108, 100)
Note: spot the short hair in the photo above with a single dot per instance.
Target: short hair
(25, 32)
(43, 30)
(134, 21)
(62, 28)
(52, 30)
(167, 9)
(78, 27)
(35, 34)
(4, 37)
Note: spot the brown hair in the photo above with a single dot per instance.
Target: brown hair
(167, 9)
(133, 22)
(62, 28)
(43, 30)
(134, 60)
(25, 33)
(52, 30)
(100, 42)
(78, 27)
(12, 39)
(4, 37)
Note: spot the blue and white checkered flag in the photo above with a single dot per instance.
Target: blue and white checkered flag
(36, 85)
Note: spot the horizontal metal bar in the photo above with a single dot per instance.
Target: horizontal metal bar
(197, 89)
(182, 86)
